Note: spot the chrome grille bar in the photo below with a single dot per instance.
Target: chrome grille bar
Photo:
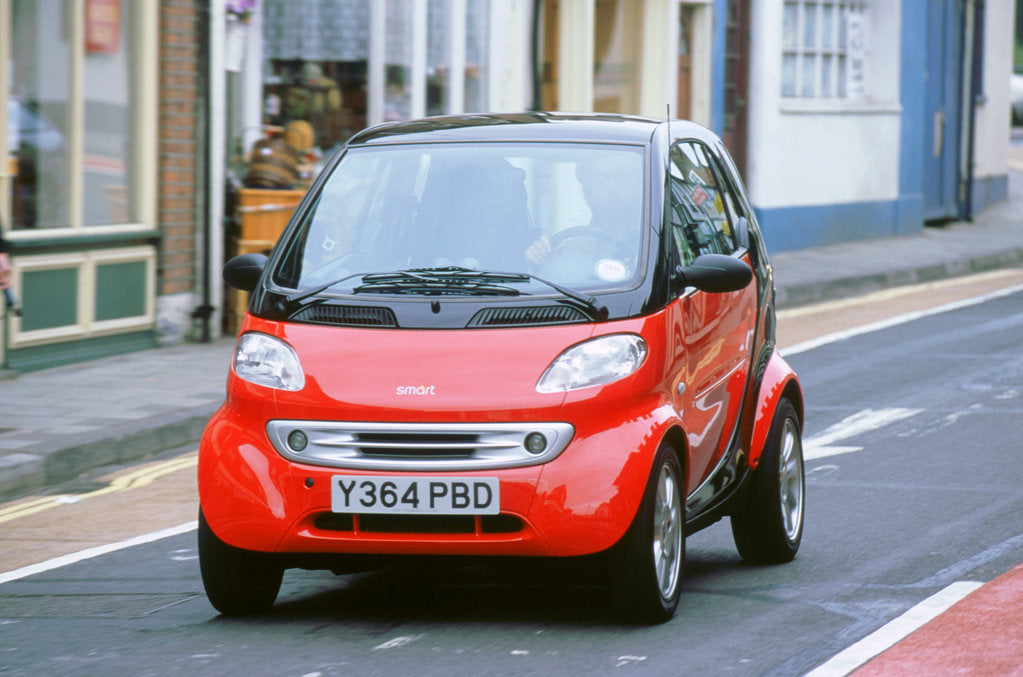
(417, 446)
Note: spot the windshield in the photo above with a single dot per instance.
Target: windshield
(570, 214)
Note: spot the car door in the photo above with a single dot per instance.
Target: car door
(714, 331)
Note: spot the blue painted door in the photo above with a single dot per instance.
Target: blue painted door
(942, 123)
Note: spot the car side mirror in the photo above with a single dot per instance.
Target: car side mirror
(714, 273)
(242, 272)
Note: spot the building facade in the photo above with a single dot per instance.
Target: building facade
(98, 187)
(125, 121)
(871, 119)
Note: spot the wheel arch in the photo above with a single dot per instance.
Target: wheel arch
(676, 438)
(778, 383)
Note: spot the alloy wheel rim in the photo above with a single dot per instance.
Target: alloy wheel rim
(790, 480)
(667, 536)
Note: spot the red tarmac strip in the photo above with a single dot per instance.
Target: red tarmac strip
(980, 635)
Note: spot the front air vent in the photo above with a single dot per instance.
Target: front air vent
(526, 316)
(348, 316)
(420, 524)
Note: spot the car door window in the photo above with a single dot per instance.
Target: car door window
(732, 204)
(700, 208)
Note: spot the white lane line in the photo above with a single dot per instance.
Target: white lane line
(89, 553)
(893, 632)
(397, 642)
(821, 445)
(894, 321)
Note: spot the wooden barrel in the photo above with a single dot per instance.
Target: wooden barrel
(273, 164)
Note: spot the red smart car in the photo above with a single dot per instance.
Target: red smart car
(530, 335)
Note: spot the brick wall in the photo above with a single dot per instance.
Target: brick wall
(179, 143)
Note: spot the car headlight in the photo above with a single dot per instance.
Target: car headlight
(268, 361)
(594, 362)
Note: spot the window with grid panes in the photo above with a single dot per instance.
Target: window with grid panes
(823, 49)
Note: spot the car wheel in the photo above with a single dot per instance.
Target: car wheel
(238, 582)
(769, 528)
(646, 565)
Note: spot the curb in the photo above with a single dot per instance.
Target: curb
(50, 463)
(799, 294)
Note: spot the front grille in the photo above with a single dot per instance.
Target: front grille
(419, 446)
(526, 316)
(419, 524)
(350, 316)
(396, 445)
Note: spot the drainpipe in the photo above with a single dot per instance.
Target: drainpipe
(975, 98)
(205, 310)
(536, 57)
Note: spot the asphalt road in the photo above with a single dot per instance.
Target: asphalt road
(913, 485)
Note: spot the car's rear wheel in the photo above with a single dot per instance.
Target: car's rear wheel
(238, 582)
(769, 528)
(647, 564)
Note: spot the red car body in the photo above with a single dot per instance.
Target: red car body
(708, 387)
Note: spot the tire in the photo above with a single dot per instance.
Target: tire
(769, 528)
(238, 582)
(646, 565)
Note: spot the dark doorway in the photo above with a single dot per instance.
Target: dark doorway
(736, 89)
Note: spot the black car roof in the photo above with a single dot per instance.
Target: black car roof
(600, 127)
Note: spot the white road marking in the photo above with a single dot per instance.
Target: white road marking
(821, 444)
(397, 641)
(894, 321)
(895, 631)
(89, 553)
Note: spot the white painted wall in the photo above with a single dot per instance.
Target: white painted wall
(991, 130)
(813, 152)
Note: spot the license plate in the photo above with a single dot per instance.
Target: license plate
(415, 495)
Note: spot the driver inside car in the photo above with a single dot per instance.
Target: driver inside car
(612, 188)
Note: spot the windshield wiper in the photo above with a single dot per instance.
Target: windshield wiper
(436, 281)
(291, 301)
(434, 288)
(595, 308)
(413, 281)
(449, 279)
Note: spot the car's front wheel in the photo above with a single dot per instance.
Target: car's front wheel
(238, 582)
(647, 564)
(769, 527)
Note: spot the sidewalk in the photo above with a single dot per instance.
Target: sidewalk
(58, 423)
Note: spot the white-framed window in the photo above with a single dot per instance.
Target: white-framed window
(77, 95)
(824, 49)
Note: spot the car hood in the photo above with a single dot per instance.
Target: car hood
(398, 374)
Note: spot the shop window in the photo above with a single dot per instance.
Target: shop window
(400, 42)
(823, 48)
(316, 66)
(73, 108)
(616, 56)
(345, 64)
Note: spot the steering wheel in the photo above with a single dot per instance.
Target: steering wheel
(622, 249)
